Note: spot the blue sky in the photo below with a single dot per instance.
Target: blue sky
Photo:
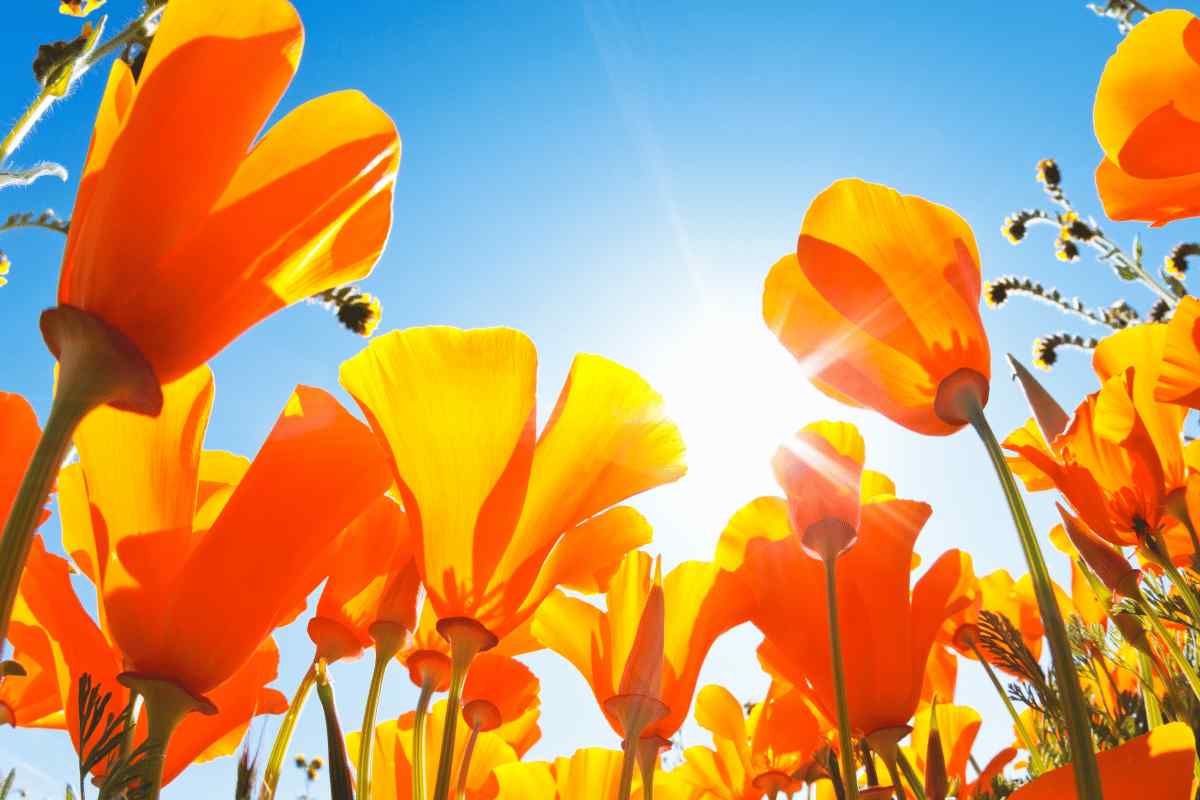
(617, 177)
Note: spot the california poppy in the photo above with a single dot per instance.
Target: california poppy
(391, 776)
(1179, 375)
(592, 772)
(1146, 122)
(31, 699)
(700, 601)
(501, 517)
(373, 585)
(513, 517)
(175, 538)
(887, 630)
(49, 602)
(1121, 456)
(1157, 764)
(19, 434)
(957, 728)
(174, 175)
(880, 305)
(763, 754)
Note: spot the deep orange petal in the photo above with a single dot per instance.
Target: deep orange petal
(19, 434)
(318, 469)
(1179, 380)
(1157, 764)
(1147, 200)
(881, 302)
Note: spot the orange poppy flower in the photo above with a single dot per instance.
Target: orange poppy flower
(1121, 456)
(19, 434)
(699, 603)
(593, 773)
(887, 631)
(767, 752)
(373, 582)
(880, 304)
(501, 695)
(1179, 376)
(820, 471)
(982, 785)
(174, 175)
(391, 772)
(1147, 120)
(31, 700)
(1157, 764)
(48, 600)
(499, 519)
(197, 557)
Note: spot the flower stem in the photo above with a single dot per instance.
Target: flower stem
(1154, 714)
(467, 638)
(1083, 757)
(388, 640)
(910, 775)
(283, 738)
(1035, 757)
(341, 782)
(845, 740)
(465, 766)
(422, 711)
(166, 704)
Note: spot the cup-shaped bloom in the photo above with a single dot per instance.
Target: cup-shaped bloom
(1147, 121)
(186, 231)
(1157, 764)
(198, 556)
(391, 765)
(820, 472)
(501, 695)
(699, 602)
(880, 304)
(48, 601)
(1121, 456)
(373, 581)
(756, 755)
(887, 630)
(31, 699)
(499, 519)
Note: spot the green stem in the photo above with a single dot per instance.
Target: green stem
(1182, 586)
(1083, 757)
(341, 782)
(422, 711)
(1154, 714)
(894, 774)
(70, 406)
(462, 653)
(845, 740)
(165, 704)
(283, 738)
(465, 766)
(386, 648)
(910, 775)
(625, 788)
(1035, 758)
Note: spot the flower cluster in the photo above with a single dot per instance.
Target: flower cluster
(450, 533)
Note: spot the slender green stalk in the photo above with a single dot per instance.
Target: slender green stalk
(283, 739)
(894, 774)
(1154, 714)
(462, 652)
(422, 711)
(1035, 757)
(67, 411)
(341, 782)
(910, 775)
(385, 649)
(1083, 756)
(845, 741)
(165, 704)
(625, 788)
(465, 766)
(1182, 586)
